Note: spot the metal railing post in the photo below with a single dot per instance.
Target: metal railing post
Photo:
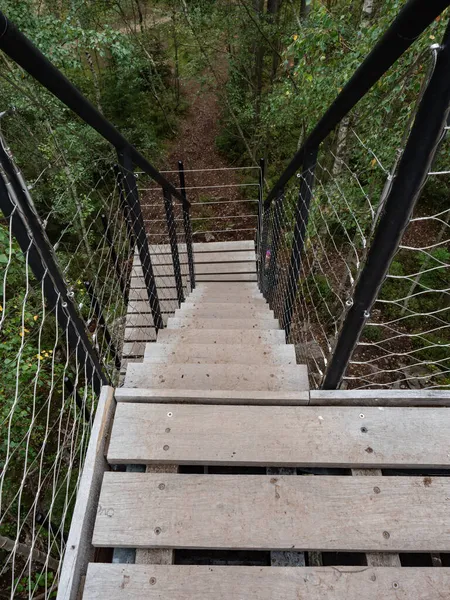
(172, 230)
(31, 237)
(275, 244)
(259, 228)
(131, 200)
(264, 243)
(187, 225)
(412, 172)
(298, 243)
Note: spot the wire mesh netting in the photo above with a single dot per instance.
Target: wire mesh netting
(337, 212)
(406, 340)
(74, 299)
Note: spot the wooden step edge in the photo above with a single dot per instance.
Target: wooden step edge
(126, 394)
(195, 582)
(380, 397)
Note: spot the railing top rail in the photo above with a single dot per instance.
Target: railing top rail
(18, 47)
(409, 24)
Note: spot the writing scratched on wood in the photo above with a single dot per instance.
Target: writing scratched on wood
(105, 512)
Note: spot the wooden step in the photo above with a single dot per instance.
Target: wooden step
(222, 336)
(233, 246)
(214, 377)
(182, 352)
(281, 436)
(141, 294)
(196, 582)
(356, 514)
(230, 287)
(226, 277)
(162, 282)
(224, 324)
(227, 297)
(224, 268)
(195, 299)
(225, 257)
(235, 311)
(234, 397)
(138, 320)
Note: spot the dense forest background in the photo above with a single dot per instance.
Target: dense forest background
(217, 84)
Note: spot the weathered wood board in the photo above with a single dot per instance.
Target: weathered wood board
(390, 514)
(213, 377)
(282, 436)
(183, 582)
(183, 352)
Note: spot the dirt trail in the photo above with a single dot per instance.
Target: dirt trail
(195, 145)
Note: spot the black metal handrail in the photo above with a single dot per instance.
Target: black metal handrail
(22, 51)
(411, 21)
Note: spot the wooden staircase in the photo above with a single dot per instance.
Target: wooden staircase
(218, 414)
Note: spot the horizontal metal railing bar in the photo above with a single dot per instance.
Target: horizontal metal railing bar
(204, 187)
(193, 218)
(22, 51)
(204, 203)
(216, 169)
(222, 231)
(411, 21)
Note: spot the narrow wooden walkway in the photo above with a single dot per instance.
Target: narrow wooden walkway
(218, 413)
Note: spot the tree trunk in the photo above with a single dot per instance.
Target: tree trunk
(273, 12)
(305, 9)
(367, 12)
(259, 60)
(341, 146)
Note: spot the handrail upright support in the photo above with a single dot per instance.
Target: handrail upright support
(259, 228)
(187, 225)
(275, 245)
(298, 243)
(172, 231)
(131, 199)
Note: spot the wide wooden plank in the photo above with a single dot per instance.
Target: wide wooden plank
(222, 336)
(232, 246)
(282, 436)
(229, 287)
(234, 312)
(224, 324)
(143, 306)
(199, 582)
(213, 377)
(224, 257)
(140, 334)
(140, 294)
(258, 354)
(162, 281)
(195, 299)
(226, 277)
(133, 349)
(144, 319)
(381, 397)
(225, 268)
(391, 514)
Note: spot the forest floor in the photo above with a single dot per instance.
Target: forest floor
(224, 203)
